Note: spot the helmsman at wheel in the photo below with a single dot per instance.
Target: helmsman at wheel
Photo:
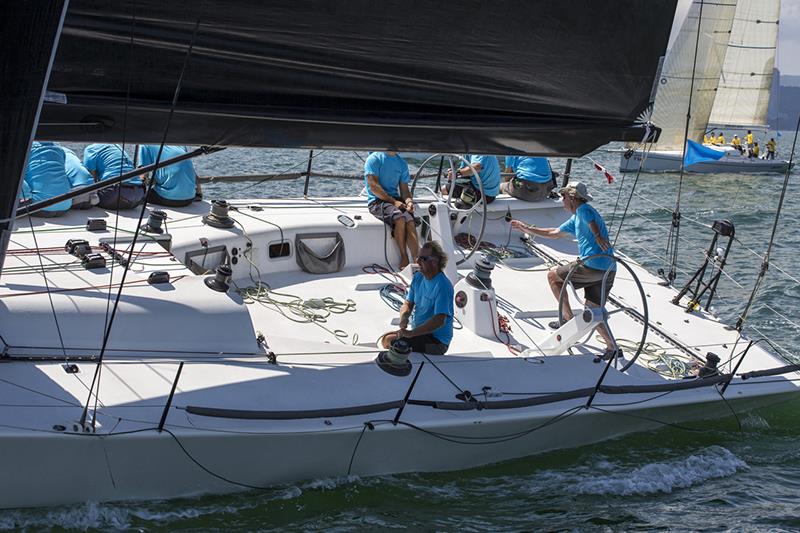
(588, 227)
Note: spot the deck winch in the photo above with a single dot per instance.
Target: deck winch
(219, 281)
(475, 300)
(395, 359)
(217, 216)
(154, 222)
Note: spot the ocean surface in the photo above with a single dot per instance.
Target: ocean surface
(740, 475)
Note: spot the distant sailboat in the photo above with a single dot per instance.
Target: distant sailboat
(731, 86)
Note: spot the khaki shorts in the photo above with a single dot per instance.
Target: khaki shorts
(528, 191)
(588, 279)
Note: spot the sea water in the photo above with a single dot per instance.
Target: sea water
(733, 474)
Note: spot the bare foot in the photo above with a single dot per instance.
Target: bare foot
(403, 263)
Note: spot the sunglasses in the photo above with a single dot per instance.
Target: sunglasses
(424, 258)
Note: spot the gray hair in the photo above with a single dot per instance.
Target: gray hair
(436, 251)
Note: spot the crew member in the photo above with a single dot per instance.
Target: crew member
(488, 168)
(708, 139)
(106, 161)
(720, 139)
(588, 227)
(175, 185)
(771, 146)
(748, 139)
(430, 297)
(754, 153)
(388, 198)
(531, 179)
(78, 176)
(736, 143)
(45, 178)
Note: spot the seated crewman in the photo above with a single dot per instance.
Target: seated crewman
(175, 185)
(488, 169)
(531, 180)
(106, 161)
(430, 297)
(78, 176)
(388, 198)
(45, 178)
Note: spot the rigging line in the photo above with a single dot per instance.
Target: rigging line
(355, 448)
(49, 294)
(442, 372)
(122, 159)
(765, 263)
(672, 253)
(282, 173)
(630, 196)
(107, 333)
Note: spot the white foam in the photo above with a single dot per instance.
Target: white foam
(713, 462)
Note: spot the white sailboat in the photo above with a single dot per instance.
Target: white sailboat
(731, 86)
(231, 346)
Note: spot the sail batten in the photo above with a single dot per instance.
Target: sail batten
(746, 78)
(681, 76)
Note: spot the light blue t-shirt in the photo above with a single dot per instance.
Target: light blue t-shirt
(535, 169)
(109, 161)
(391, 171)
(432, 297)
(578, 225)
(490, 173)
(175, 182)
(45, 176)
(77, 174)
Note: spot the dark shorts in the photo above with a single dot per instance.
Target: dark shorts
(388, 212)
(122, 196)
(528, 191)
(428, 344)
(588, 279)
(154, 198)
(459, 189)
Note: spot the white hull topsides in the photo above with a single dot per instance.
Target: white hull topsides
(670, 161)
(325, 409)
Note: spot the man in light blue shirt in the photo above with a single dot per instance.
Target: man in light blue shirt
(531, 179)
(389, 199)
(587, 226)
(469, 192)
(45, 178)
(430, 297)
(106, 161)
(175, 185)
(78, 176)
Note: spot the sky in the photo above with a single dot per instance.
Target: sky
(788, 34)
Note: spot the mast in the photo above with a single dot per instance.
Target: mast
(746, 80)
(30, 33)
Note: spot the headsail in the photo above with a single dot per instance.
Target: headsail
(543, 77)
(744, 87)
(672, 99)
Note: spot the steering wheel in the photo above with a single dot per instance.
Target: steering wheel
(603, 297)
(452, 208)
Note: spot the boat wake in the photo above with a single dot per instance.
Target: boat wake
(665, 477)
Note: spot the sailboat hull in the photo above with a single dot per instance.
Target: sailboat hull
(671, 162)
(45, 470)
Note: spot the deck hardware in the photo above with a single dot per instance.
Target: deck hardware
(76, 246)
(395, 361)
(95, 224)
(218, 215)
(219, 281)
(461, 299)
(59, 427)
(70, 368)
(717, 257)
(234, 251)
(154, 222)
(346, 221)
(157, 278)
(93, 261)
(396, 418)
(169, 398)
(432, 210)
(328, 423)
(710, 367)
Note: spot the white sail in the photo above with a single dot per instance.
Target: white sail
(672, 99)
(746, 80)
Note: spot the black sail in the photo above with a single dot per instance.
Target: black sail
(547, 77)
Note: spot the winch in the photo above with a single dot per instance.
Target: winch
(395, 359)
